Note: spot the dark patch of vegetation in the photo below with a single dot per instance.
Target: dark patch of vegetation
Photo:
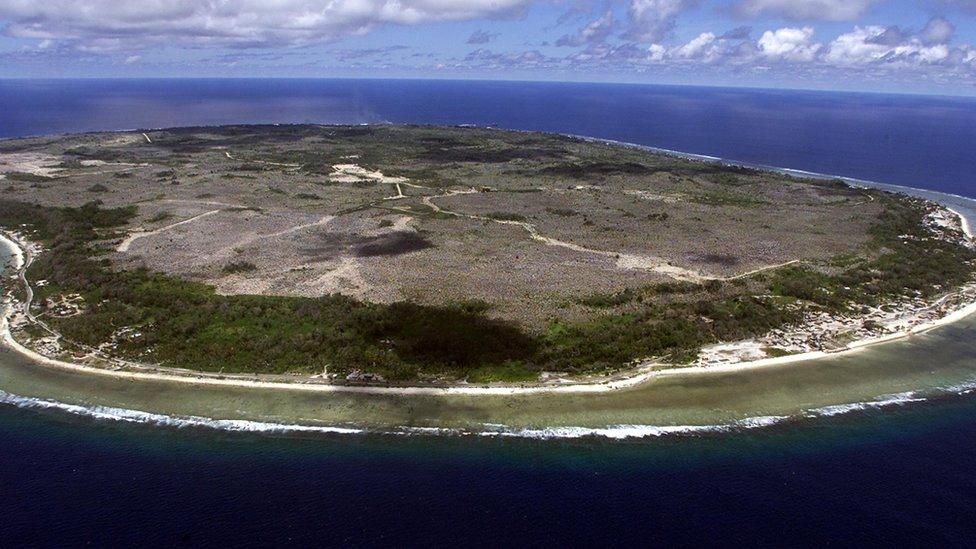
(728, 179)
(308, 196)
(512, 371)
(587, 170)
(776, 352)
(609, 300)
(347, 132)
(98, 188)
(836, 187)
(28, 177)
(638, 295)
(239, 267)
(333, 245)
(505, 216)
(395, 243)
(474, 306)
(105, 154)
(430, 177)
(674, 332)
(444, 153)
(725, 198)
(161, 216)
(384, 223)
(913, 260)
(724, 260)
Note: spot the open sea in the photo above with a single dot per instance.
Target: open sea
(902, 474)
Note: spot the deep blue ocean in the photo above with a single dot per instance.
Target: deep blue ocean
(895, 476)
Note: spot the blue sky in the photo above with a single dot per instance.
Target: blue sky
(926, 46)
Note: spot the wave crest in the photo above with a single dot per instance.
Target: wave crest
(613, 432)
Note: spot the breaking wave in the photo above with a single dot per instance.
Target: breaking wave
(898, 399)
(612, 432)
(124, 415)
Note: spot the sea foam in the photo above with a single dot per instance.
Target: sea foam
(149, 418)
(613, 432)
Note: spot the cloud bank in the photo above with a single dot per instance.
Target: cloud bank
(116, 24)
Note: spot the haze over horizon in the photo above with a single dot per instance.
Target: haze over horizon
(913, 46)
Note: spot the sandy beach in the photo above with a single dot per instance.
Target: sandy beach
(17, 255)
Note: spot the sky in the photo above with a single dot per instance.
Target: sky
(901, 46)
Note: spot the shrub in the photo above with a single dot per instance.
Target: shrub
(505, 216)
(239, 267)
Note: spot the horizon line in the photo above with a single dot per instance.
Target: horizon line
(504, 80)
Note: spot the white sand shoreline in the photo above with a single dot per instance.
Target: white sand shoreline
(15, 251)
(643, 374)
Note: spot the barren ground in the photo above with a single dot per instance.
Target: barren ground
(529, 223)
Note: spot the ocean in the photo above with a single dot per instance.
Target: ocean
(895, 474)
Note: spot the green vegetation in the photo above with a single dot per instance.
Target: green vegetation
(776, 352)
(673, 332)
(159, 217)
(239, 267)
(725, 198)
(186, 324)
(97, 188)
(28, 177)
(563, 212)
(511, 371)
(506, 216)
(911, 260)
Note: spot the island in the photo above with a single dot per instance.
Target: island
(398, 257)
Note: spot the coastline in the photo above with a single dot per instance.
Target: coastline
(643, 374)
(16, 252)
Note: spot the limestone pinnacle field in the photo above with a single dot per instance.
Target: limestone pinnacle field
(365, 254)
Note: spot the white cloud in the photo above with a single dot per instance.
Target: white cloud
(696, 47)
(94, 24)
(595, 32)
(789, 44)
(824, 10)
(875, 47)
(656, 53)
(862, 47)
(707, 48)
(653, 20)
